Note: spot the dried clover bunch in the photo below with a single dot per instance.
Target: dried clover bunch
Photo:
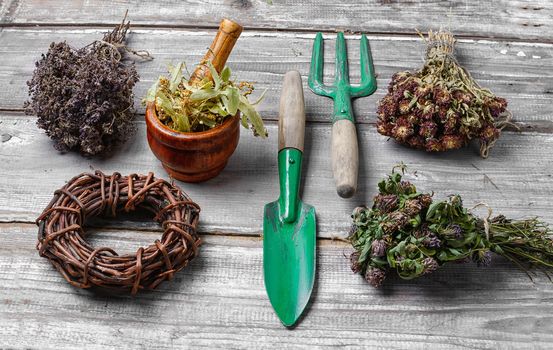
(203, 105)
(440, 107)
(407, 232)
(83, 98)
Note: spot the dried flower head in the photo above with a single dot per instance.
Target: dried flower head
(385, 202)
(375, 276)
(378, 248)
(430, 265)
(482, 259)
(354, 261)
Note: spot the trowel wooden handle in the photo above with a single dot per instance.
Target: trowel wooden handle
(345, 157)
(219, 51)
(291, 119)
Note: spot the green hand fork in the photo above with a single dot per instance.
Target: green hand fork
(345, 150)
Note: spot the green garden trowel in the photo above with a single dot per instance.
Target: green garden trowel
(289, 228)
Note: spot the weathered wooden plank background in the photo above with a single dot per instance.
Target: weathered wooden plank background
(220, 300)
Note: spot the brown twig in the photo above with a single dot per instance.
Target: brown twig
(61, 237)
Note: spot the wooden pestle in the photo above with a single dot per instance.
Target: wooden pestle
(219, 51)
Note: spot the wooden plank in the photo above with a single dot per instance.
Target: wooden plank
(515, 180)
(520, 72)
(497, 18)
(219, 301)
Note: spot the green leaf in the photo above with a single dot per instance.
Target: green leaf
(176, 77)
(204, 94)
(244, 121)
(216, 78)
(152, 91)
(253, 117)
(231, 100)
(225, 74)
(218, 109)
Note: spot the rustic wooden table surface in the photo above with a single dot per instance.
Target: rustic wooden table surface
(220, 300)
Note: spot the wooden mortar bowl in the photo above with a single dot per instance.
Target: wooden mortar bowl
(192, 156)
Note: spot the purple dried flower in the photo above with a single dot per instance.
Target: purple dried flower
(463, 97)
(428, 129)
(455, 231)
(412, 118)
(399, 218)
(489, 133)
(434, 145)
(354, 261)
(387, 107)
(430, 265)
(422, 90)
(452, 141)
(385, 203)
(432, 241)
(441, 96)
(497, 106)
(398, 94)
(384, 127)
(416, 142)
(378, 248)
(406, 187)
(403, 129)
(410, 85)
(375, 276)
(425, 200)
(483, 259)
(404, 106)
(412, 207)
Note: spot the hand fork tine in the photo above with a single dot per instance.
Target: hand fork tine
(345, 150)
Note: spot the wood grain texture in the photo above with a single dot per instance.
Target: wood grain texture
(219, 301)
(344, 157)
(291, 121)
(495, 18)
(520, 72)
(516, 180)
(219, 51)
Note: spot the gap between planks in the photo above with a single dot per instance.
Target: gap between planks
(265, 30)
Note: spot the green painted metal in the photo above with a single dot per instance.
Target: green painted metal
(289, 243)
(341, 91)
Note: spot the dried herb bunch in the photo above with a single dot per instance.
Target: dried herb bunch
(83, 98)
(407, 232)
(205, 104)
(440, 107)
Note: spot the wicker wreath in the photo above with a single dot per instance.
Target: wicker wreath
(61, 237)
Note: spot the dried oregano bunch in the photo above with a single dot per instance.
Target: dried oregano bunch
(440, 107)
(407, 232)
(205, 104)
(83, 98)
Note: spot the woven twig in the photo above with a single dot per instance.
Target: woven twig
(61, 237)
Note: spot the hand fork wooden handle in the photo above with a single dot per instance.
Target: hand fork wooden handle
(345, 150)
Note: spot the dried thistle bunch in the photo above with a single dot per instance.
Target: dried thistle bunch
(205, 104)
(440, 107)
(407, 232)
(83, 98)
